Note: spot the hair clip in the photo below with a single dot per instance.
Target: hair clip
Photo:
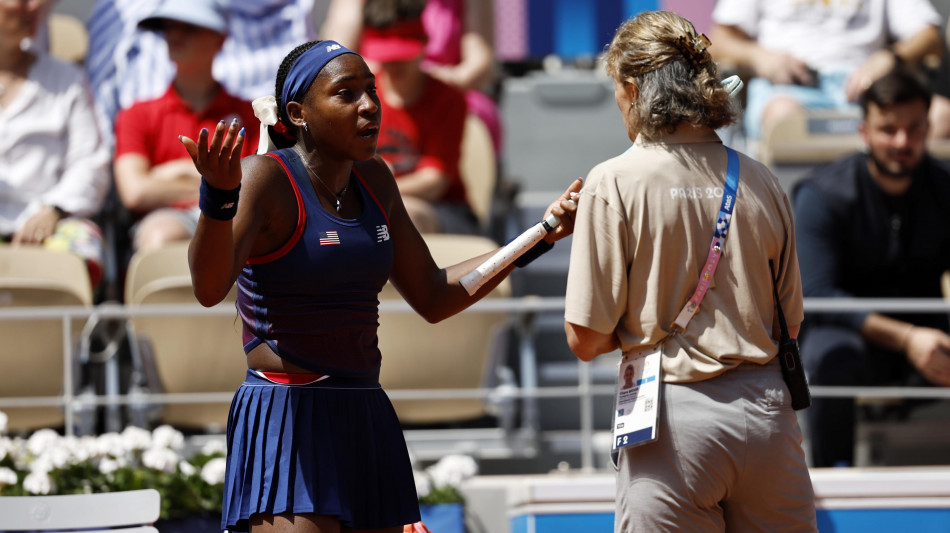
(694, 49)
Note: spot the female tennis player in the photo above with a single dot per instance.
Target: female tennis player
(311, 232)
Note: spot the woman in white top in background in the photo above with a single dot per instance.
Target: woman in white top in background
(53, 165)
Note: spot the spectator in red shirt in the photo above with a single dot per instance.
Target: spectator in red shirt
(155, 178)
(422, 122)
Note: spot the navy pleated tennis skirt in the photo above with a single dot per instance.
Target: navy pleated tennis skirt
(333, 448)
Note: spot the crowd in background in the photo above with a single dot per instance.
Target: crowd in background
(157, 69)
(134, 175)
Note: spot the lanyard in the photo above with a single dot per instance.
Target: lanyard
(718, 241)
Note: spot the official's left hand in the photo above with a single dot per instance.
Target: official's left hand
(565, 209)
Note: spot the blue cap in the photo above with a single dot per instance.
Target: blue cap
(208, 14)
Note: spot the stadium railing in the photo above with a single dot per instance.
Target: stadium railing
(523, 310)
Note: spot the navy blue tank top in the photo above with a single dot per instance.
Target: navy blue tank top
(315, 301)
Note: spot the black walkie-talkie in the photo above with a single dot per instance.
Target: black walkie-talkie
(789, 357)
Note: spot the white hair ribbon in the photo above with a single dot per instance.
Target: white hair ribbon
(265, 109)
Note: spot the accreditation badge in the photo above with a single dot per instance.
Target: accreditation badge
(638, 398)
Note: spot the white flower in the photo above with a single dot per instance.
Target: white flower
(423, 484)
(38, 483)
(19, 454)
(7, 476)
(85, 449)
(121, 462)
(3, 422)
(134, 438)
(58, 457)
(6, 447)
(108, 465)
(110, 444)
(42, 440)
(71, 450)
(42, 464)
(216, 446)
(161, 459)
(452, 470)
(213, 471)
(167, 437)
(187, 469)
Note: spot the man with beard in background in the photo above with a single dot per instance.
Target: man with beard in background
(874, 225)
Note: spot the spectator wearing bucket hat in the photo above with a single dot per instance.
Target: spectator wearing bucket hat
(423, 118)
(127, 64)
(154, 175)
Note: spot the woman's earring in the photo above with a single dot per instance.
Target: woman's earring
(306, 128)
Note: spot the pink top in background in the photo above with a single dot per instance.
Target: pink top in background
(444, 21)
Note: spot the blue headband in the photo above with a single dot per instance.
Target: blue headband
(306, 67)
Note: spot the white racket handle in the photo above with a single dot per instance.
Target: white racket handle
(733, 84)
(504, 257)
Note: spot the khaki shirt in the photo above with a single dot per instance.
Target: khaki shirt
(641, 237)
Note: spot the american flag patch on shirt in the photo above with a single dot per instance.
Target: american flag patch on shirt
(329, 237)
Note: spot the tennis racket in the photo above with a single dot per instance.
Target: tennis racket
(511, 251)
(522, 243)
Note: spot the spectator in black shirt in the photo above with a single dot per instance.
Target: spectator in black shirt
(874, 225)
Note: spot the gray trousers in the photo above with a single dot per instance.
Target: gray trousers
(728, 457)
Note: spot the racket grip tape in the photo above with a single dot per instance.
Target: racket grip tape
(504, 257)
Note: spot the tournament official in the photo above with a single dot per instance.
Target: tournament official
(709, 442)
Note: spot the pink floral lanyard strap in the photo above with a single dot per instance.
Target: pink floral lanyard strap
(715, 248)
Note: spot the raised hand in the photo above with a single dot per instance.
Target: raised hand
(220, 162)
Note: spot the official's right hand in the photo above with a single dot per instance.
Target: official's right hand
(220, 162)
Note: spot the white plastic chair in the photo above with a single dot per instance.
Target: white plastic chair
(192, 354)
(131, 511)
(457, 353)
(811, 138)
(68, 38)
(32, 350)
(478, 168)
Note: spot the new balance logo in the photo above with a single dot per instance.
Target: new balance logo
(228, 205)
(382, 233)
(333, 47)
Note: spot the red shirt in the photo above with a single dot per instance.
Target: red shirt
(427, 134)
(152, 127)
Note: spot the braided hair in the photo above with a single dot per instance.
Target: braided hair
(281, 140)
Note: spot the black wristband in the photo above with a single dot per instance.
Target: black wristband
(219, 204)
(533, 253)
